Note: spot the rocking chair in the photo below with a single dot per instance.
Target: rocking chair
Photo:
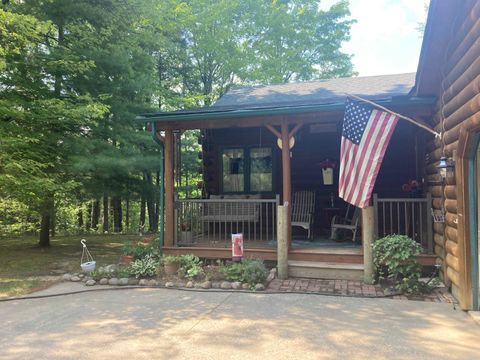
(303, 207)
(349, 222)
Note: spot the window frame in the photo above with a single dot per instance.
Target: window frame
(247, 169)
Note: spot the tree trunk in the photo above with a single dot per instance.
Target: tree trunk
(117, 214)
(88, 224)
(45, 225)
(80, 218)
(105, 213)
(45, 230)
(95, 214)
(127, 214)
(142, 215)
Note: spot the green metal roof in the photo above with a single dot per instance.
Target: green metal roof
(210, 113)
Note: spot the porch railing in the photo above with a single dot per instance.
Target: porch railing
(211, 222)
(409, 216)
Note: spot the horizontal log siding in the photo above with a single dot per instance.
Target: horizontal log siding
(459, 105)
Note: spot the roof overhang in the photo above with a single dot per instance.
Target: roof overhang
(222, 118)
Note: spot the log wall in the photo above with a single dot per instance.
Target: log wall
(458, 108)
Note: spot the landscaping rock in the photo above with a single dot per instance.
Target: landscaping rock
(189, 284)
(113, 281)
(81, 276)
(153, 282)
(197, 285)
(215, 285)
(236, 285)
(132, 281)
(67, 277)
(246, 286)
(103, 281)
(180, 284)
(143, 282)
(169, 284)
(206, 284)
(123, 281)
(259, 287)
(90, 282)
(75, 278)
(225, 285)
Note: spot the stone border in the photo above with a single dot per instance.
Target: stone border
(207, 284)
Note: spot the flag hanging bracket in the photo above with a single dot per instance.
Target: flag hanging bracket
(415, 122)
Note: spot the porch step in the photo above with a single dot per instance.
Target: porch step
(325, 270)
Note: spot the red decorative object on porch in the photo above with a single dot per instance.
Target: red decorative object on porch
(237, 247)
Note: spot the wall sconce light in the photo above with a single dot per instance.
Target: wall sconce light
(446, 167)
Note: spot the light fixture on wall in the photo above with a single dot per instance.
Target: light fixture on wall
(446, 167)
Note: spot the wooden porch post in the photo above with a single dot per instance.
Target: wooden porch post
(287, 185)
(169, 216)
(368, 233)
(282, 241)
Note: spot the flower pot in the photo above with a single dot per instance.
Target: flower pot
(186, 236)
(327, 176)
(89, 266)
(127, 259)
(171, 268)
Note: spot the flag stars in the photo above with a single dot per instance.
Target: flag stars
(356, 119)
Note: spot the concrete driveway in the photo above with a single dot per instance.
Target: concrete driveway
(172, 324)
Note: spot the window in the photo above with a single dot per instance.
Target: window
(260, 169)
(247, 170)
(233, 170)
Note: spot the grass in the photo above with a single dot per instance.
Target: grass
(24, 267)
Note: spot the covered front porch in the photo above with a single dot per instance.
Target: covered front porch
(248, 173)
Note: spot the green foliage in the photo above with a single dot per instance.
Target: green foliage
(145, 267)
(171, 259)
(395, 258)
(250, 271)
(190, 266)
(141, 249)
(74, 74)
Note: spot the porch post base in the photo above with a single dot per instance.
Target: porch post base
(368, 231)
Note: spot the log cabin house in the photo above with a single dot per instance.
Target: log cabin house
(248, 172)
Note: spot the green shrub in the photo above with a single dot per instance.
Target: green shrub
(250, 271)
(145, 267)
(170, 259)
(395, 258)
(190, 266)
(140, 249)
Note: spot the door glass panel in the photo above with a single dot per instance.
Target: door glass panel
(260, 169)
(233, 161)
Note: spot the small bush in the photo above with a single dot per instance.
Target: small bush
(395, 258)
(190, 266)
(250, 271)
(145, 267)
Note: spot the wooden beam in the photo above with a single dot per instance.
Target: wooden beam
(273, 131)
(295, 129)
(169, 208)
(286, 176)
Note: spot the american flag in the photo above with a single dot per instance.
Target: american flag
(365, 136)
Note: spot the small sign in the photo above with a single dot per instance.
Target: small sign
(237, 247)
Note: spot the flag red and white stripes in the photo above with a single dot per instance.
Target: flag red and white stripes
(365, 137)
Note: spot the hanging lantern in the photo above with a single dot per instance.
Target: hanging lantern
(445, 167)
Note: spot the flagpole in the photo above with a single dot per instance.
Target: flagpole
(397, 114)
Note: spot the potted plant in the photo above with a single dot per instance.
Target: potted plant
(171, 264)
(128, 253)
(186, 232)
(327, 171)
